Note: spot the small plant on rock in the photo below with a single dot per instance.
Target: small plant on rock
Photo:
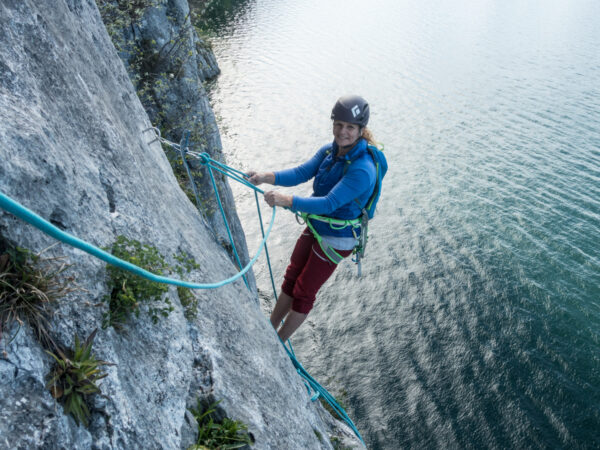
(74, 378)
(214, 434)
(128, 291)
(188, 301)
(187, 298)
(340, 400)
(29, 283)
(337, 444)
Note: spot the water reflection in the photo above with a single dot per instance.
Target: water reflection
(476, 323)
(218, 16)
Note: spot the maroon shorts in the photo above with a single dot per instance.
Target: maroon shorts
(309, 269)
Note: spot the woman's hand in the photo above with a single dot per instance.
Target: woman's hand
(274, 198)
(258, 178)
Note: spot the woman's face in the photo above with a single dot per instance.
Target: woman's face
(345, 133)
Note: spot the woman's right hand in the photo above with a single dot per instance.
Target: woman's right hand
(259, 178)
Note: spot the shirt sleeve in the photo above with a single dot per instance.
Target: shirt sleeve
(351, 186)
(302, 173)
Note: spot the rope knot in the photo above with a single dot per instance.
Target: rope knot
(204, 158)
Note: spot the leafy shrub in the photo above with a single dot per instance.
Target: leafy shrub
(29, 283)
(214, 434)
(74, 376)
(128, 290)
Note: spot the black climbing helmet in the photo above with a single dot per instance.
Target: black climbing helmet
(351, 109)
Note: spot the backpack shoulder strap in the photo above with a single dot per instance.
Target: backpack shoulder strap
(350, 161)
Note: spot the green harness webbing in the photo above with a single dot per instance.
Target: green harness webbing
(338, 224)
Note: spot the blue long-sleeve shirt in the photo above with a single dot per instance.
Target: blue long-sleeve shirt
(334, 192)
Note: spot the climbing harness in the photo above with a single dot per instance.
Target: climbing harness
(313, 387)
(334, 224)
(361, 222)
(358, 251)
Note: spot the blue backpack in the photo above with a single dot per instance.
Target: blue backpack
(368, 211)
(381, 167)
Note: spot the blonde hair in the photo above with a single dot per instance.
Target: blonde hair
(368, 135)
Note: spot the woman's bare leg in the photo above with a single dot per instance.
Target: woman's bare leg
(282, 307)
(292, 321)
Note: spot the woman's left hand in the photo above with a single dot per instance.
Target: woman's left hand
(274, 198)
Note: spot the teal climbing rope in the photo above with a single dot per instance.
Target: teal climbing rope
(32, 218)
(182, 151)
(35, 220)
(311, 384)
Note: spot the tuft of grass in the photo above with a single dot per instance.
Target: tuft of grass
(223, 434)
(74, 378)
(128, 291)
(29, 283)
(188, 300)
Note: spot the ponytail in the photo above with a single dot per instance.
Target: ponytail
(368, 135)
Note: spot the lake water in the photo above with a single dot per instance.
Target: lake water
(476, 323)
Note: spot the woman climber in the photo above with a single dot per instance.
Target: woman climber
(344, 179)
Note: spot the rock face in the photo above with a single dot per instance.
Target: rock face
(168, 64)
(73, 149)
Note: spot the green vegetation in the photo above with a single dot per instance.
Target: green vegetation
(188, 301)
(337, 444)
(215, 434)
(152, 65)
(157, 70)
(29, 283)
(128, 291)
(74, 376)
(121, 15)
(318, 434)
(340, 399)
(144, 58)
(186, 296)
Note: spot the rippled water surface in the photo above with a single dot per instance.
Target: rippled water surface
(477, 321)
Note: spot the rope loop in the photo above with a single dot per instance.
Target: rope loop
(20, 211)
(310, 383)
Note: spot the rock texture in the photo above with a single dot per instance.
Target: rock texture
(168, 64)
(73, 149)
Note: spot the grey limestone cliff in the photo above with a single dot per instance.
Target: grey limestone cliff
(74, 150)
(168, 63)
